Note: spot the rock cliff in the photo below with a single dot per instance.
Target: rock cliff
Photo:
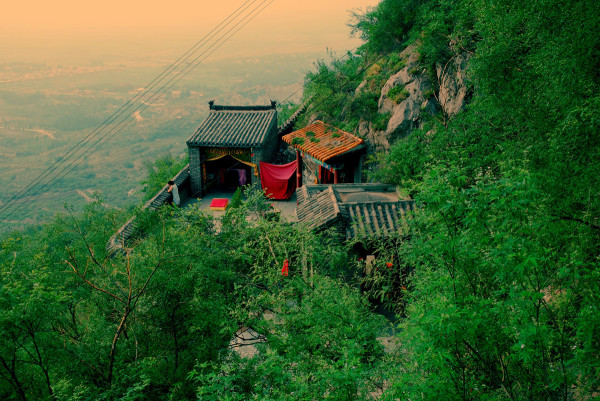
(411, 93)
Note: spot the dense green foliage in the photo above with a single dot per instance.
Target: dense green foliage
(157, 322)
(496, 285)
(503, 291)
(160, 171)
(505, 251)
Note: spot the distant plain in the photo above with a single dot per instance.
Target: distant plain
(47, 107)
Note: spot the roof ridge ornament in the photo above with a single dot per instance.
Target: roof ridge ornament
(221, 107)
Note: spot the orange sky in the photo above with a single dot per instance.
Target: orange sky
(310, 23)
(86, 16)
(38, 29)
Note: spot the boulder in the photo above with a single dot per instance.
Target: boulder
(452, 77)
(362, 87)
(376, 141)
(405, 115)
(414, 98)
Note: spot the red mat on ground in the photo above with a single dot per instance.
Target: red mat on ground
(219, 204)
(278, 182)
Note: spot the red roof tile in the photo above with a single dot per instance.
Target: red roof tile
(326, 143)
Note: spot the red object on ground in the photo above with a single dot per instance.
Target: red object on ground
(389, 264)
(278, 182)
(219, 204)
(285, 270)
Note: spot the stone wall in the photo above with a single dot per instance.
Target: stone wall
(195, 168)
(120, 240)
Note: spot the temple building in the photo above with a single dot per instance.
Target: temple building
(326, 155)
(228, 146)
(365, 212)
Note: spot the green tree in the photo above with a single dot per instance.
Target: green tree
(160, 171)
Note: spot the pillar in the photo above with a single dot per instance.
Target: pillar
(358, 170)
(336, 176)
(195, 171)
(298, 169)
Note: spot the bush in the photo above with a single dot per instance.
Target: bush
(160, 171)
(398, 94)
(381, 121)
(236, 199)
(387, 26)
(297, 141)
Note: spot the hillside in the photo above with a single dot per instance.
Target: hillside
(46, 109)
(486, 114)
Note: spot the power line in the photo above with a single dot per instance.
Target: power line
(99, 144)
(188, 68)
(154, 96)
(127, 105)
(149, 101)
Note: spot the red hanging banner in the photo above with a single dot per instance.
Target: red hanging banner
(285, 270)
(278, 181)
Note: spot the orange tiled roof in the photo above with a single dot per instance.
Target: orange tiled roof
(326, 143)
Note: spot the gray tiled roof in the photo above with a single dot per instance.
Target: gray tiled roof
(357, 210)
(319, 210)
(235, 126)
(376, 219)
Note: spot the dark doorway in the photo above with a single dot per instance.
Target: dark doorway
(226, 173)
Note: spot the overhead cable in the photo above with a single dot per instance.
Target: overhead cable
(172, 79)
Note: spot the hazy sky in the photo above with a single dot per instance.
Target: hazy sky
(311, 25)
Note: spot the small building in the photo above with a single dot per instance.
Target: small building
(374, 221)
(227, 148)
(356, 211)
(326, 155)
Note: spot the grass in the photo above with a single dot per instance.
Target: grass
(297, 141)
(428, 93)
(397, 94)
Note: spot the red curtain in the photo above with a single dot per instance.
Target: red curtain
(325, 176)
(278, 182)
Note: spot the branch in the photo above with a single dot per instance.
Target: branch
(92, 255)
(141, 291)
(91, 284)
(129, 308)
(487, 120)
(474, 352)
(591, 225)
(271, 248)
(87, 245)
(113, 347)
(90, 366)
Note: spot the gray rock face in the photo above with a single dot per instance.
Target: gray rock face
(361, 87)
(414, 98)
(377, 141)
(405, 115)
(452, 78)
